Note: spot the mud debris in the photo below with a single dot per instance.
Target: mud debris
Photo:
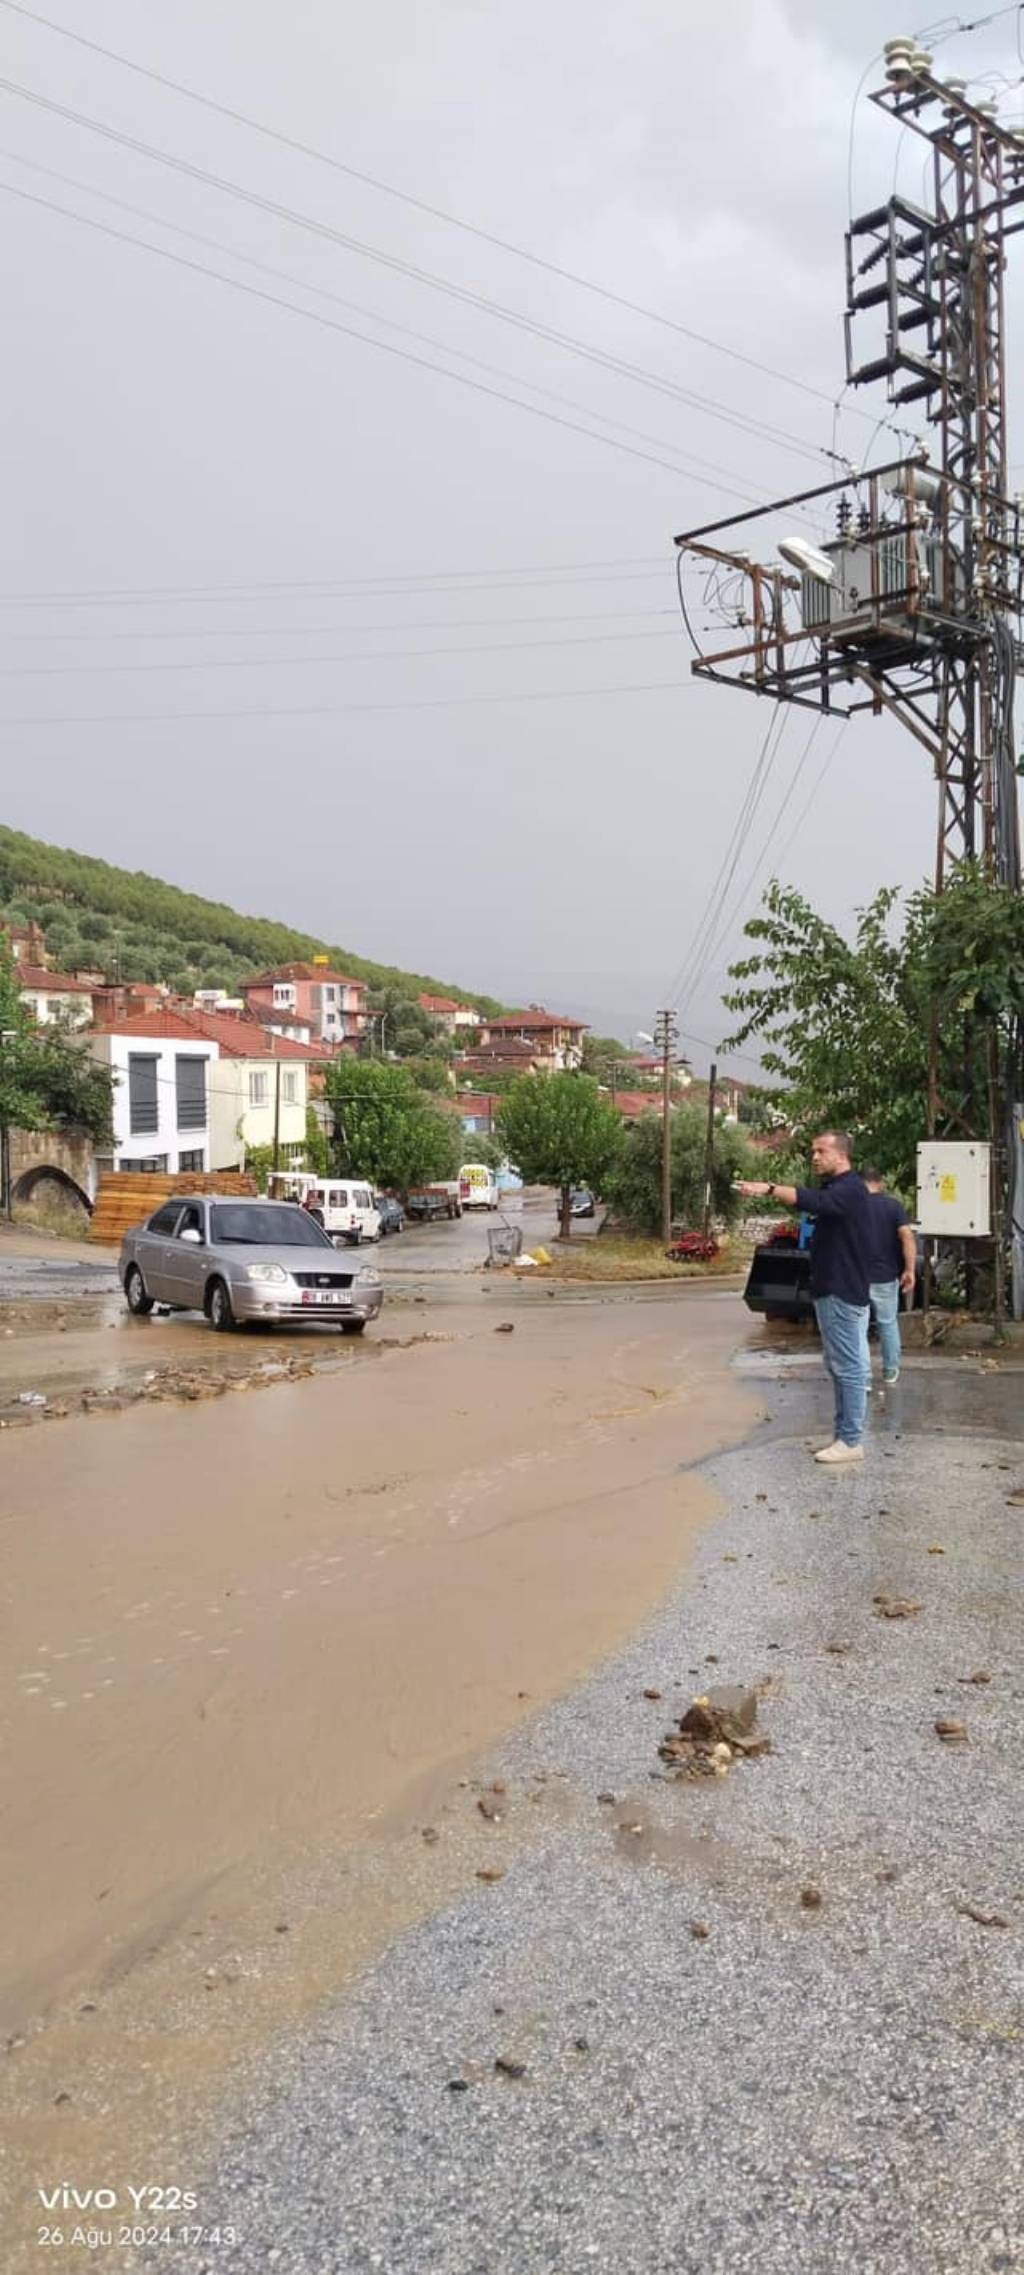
(952, 1733)
(982, 1918)
(717, 1726)
(895, 1607)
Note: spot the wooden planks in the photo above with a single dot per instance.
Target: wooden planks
(127, 1199)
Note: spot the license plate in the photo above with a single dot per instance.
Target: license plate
(326, 1295)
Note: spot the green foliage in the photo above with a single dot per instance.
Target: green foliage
(557, 1130)
(259, 1161)
(845, 1026)
(318, 1152)
(386, 1129)
(637, 1189)
(605, 1058)
(157, 932)
(47, 1080)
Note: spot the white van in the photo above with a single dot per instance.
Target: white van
(478, 1186)
(344, 1206)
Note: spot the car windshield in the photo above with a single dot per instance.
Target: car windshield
(251, 1225)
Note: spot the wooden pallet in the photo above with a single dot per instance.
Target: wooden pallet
(127, 1199)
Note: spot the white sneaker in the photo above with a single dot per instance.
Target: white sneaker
(839, 1452)
(889, 1379)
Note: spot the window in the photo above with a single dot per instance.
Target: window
(259, 1087)
(190, 1090)
(284, 993)
(143, 1109)
(192, 1221)
(288, 1086)
(195, 1160)
(166, 1218)
(147, 1165)
(331, 994)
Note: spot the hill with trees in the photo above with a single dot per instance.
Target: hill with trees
(132, 926)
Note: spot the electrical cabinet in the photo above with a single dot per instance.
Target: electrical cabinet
(954, 1188)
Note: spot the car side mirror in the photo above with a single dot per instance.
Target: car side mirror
(194, 1238)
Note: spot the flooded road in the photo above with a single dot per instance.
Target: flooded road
(248, 1641)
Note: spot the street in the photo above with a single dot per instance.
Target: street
(332, 1782)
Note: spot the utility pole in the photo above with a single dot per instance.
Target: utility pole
(666, 1029)
(914, 607)
(709, 1149)
(277, 1116)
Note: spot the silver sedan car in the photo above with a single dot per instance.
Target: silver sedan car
(239, 1260)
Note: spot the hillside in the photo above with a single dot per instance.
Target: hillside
(135, 927)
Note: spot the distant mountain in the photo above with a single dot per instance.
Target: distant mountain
(135, 927)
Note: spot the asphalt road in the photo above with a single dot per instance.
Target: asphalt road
(798, 2088)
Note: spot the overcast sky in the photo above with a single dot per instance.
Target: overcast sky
(275, 512)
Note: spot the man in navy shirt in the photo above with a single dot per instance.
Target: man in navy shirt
(893, 1267)
(840, 1281)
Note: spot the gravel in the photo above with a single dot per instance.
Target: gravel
(805, 2087)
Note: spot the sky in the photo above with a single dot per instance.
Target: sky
(271, 518)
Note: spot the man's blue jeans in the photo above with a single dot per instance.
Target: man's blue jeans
(885, 1303)
(844, 1341)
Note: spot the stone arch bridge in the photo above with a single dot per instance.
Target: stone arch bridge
(53, 1161)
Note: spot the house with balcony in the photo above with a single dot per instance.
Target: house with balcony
(194, 1090)
(555, 1043)
(309, 1002)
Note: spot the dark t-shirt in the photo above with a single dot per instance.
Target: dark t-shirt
(842, 1245)
(887, 1215)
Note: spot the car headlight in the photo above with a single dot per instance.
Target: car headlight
(368, 1277)
(274, 1272)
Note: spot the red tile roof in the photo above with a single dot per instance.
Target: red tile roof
(50, 983)
(477, 1102)
(235, 1035)
(440, 1005)
(513, 1021)
(301, 971)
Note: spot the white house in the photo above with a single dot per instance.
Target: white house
(54, 998)
(194, 1090)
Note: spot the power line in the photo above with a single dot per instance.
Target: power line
(395, 262)
(805, 809)
(420, 205)
(326, 631)
(380, 588)
(703, 952)
(724, 923)
(373, 315)
(383, 347)
(337, 710)
(774, 728)
(349, 656)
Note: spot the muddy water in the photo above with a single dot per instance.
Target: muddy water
(250, 1646)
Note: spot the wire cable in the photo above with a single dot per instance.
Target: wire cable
(339, 710)
(347, 656)
(406, 197)
(703, 951)
(327, 631)
(463, 294)
(383, 347)
(774, 727)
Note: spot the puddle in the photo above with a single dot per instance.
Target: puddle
(956, 1397)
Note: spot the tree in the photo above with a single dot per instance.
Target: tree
(637, 1187)
(387, 1130)
(605, 1058)
(557, 1130)
(846, 1027)
(46, 1079)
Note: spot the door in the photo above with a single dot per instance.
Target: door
(154, 1247)
(187, 1261)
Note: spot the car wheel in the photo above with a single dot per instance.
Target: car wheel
(353, 1326)
(139, 1303)
(218, 1307)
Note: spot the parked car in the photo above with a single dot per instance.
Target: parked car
(427, 1204)
(239, 1261)
(344, 1207)
(390, 1212)
(582, 1201)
